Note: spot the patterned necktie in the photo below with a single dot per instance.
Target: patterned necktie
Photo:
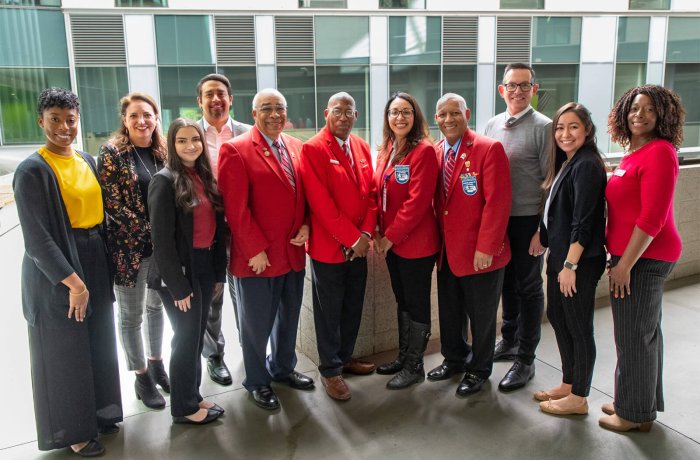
(348, 155)
(449, 169)
(510, 122)
(286, 164)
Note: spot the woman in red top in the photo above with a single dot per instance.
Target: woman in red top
(405, 180)
(190, 251)
(644, 244)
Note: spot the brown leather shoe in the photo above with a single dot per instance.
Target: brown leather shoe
(336, 387)
(357, 367)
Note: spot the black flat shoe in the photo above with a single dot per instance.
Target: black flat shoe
(298, 381)
(264, 397)
(517, 376)
(108, 429)
(217, 408)
(470, 384)
(444, 371)
(211, 416)
(92, 449)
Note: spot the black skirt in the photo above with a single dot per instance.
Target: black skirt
(75, 372)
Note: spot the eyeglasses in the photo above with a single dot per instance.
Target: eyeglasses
(393, 113)
(350, 113)
(524, 86)
(268, 109)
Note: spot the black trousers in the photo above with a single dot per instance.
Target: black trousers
(338, 295)
(572, 320)
(640, 344)
(411, 281)
(465, 299)
(75, 372)
(523, 296)
(188, 335)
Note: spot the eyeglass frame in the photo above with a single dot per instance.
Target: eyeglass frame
(406, 113)
(349, 113)
(531, 85)
(268, 109)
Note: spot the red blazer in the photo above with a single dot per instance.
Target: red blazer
(260, 205)
(341, 200)
(474, 215)
(409, 219)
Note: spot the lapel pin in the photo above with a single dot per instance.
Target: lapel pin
(463, 156)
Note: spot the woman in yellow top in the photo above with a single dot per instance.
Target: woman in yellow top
(66, 286)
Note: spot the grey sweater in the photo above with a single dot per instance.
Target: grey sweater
(527, 144)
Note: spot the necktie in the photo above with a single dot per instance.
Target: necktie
(510, 122)
(348, 155)
(449, 169)
(286, 164)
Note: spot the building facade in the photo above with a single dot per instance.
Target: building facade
(589, 52)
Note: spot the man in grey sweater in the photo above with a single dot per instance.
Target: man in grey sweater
(526, 136)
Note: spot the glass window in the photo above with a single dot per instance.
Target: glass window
(628, 76)
(342, 40)
(683, 79)
(351, 79)
(650, 4)
(633, 39)
(297, 86)
(522, 4)
(56, 3)
(406, 4)
(178, 92)
(414, 40)
(322, 4)
(460, 79)
(183, 39)
(245, 85)
(683, 44)
(100, 89)
(558, 85)
(421, 82)
(32, 38)
(141, 3)
(19, 91)
(556, 39)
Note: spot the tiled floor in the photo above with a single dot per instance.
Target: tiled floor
(426, 421)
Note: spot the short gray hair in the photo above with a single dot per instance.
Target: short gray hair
(452, 97)
(267, 92)
(342, 96)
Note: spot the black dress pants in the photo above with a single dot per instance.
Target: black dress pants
(188, 335)
(411, 281)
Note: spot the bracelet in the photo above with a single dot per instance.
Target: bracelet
(81, 292)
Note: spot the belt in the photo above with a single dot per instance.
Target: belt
(92, 231)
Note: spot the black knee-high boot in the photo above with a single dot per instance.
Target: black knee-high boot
(396, 365)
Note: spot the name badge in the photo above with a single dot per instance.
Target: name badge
(335, 162)
(469, 184)
(402, 173)
(619, 172)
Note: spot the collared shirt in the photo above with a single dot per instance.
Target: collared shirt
(270, 141)
(341, 142)
(455, 147)
(518, 115)
(216, 139)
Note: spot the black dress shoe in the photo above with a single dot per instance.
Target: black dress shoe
(444, 371)
(217, 408)
(297, 380)
(218, 371)
(517, 376)
(108, 429)
(470, 384)
(264, 397)
(92, 449)
(211, 416)
(505, 351)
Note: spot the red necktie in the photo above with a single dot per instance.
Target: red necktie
(348, 155)
(448, 169)
(286, 164)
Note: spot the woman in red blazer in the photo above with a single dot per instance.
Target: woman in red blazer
(405, 180)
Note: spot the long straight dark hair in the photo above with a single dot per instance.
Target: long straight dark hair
(418, 132)
(185, 195)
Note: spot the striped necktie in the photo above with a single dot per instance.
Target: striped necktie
(286, 164)
(348, 155)
(448, 169)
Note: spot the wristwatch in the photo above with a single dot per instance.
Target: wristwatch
(570, 266)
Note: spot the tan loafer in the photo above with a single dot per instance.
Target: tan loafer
(544, 395)
(608, 408)
(548, 407)
(616, 423)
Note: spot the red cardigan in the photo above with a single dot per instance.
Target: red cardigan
(640, 192)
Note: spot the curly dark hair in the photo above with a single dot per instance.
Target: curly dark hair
(669, 111)
(185, 195)
(418, 132)
(57, 97)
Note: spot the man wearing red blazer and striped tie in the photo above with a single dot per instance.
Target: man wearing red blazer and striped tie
(337, 170)
(472, 203)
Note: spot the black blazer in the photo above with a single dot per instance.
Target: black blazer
(172, 231)
(576, 210)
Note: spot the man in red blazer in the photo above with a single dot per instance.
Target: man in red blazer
(472, 203)
(337, 170)
(262, 188)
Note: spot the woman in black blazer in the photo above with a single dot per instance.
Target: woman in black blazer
(187, 231)
(573, 228)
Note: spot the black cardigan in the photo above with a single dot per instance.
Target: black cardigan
(171, 234)
(576, 210)
(50, 253)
